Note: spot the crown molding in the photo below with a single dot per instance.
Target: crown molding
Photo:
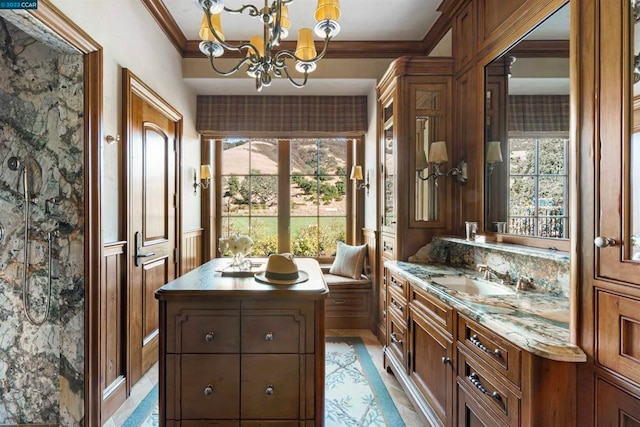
(541, 49)
(167, 24)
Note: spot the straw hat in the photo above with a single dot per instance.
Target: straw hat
(282, 270)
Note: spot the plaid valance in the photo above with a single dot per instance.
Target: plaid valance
(282, 114)
(539, 113)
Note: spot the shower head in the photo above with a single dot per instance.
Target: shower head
(14, 163)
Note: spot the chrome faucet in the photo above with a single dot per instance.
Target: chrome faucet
(489, 272)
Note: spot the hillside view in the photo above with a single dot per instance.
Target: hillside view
(317, 186)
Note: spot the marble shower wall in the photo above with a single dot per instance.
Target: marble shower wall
(549, 268)
(41, 123)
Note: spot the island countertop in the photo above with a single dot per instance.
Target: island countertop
(208, 280)
(536, 321)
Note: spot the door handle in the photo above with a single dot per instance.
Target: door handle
(136, 238)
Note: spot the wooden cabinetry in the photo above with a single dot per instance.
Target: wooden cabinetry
(238, 352)
(457, 372)
(414, 98)
(609, 321)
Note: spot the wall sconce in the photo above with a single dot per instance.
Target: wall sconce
(437, 156)
(494, 155)
(356, 175)
(205, 177)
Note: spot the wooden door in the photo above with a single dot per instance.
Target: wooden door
(152, 238)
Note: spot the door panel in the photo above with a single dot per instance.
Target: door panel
(152, 132)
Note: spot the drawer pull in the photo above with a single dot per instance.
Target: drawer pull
(397, 306)
(395, 339)
(209, 337)
(475, 380)
(208, 390)
(476, 341)
(269, 390)
(269, 336)
(446, 360)
(339, 301)
(395, 283)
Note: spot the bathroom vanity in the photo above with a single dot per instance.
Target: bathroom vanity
(235, 351)
(472, 352)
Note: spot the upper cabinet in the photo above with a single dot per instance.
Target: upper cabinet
(414, 105)
(618, 189)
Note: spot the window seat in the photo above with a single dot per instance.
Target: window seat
(348, 305)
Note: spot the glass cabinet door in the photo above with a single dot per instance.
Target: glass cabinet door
(388, 158)
(619, 171)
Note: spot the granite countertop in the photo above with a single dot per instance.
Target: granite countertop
(535, 321)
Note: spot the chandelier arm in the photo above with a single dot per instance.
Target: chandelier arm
(253, 11)
(279, 56)
(292, 81)
(224, 44)
(231, 71)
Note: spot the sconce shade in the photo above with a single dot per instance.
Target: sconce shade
(421, 161)
(205, 33)
(328, 9)
(438, 152)
(494, 154)
(356, 173)
(306, 48)
(285, 22)
(258, 42)
(205, 172)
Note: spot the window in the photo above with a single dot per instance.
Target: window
(288, 195)
(538, 186)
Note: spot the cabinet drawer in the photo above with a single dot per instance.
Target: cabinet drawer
(204, 423)
(619, 334)
(209, 386)
(396, 304)
(397, 341)
(271, 386)
(387, 247)
(206, 333)
(355, 302)
(488, 389)
(473, 413)
(438, 311)
(398, 284)
(502, 356)
(272, 333)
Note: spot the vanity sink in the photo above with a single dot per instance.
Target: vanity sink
(472, 286)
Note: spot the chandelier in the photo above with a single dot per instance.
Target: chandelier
(263, 60)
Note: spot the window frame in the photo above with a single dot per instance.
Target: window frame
(354, 198)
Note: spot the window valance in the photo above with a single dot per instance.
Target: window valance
(539, 113)
(282, 114)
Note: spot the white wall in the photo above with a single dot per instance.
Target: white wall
(132, 39)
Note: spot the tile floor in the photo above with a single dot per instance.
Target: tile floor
(409, 415)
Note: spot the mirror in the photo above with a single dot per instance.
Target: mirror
(527, 134)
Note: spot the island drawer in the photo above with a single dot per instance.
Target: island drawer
(209, 386)
(272, 332)
(271, 386)
(499, 354)
(205, 332)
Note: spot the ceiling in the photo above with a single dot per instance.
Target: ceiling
(361, 20)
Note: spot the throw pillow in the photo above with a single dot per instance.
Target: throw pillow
(349, 260)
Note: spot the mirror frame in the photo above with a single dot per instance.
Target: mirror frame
(487, 56)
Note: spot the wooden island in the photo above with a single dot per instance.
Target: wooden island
(238, 352)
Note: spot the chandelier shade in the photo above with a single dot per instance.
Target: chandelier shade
(263, 61)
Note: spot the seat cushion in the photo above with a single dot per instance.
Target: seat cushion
(341, 282)
(349, 261)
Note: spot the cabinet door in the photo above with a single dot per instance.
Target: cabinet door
(615, 407)
(430, 363)
(388, 158)
(618, 181)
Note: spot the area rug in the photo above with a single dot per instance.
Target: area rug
(355, 395)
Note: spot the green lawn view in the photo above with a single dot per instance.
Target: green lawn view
(305, 234)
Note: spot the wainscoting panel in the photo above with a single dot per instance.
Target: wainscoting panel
(191, 250)
(369, 237)
(113, 340)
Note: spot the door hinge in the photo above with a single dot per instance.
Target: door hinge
(175, 199)
(409, 361)
(175, 144)
(408, 324)
(175, 255)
